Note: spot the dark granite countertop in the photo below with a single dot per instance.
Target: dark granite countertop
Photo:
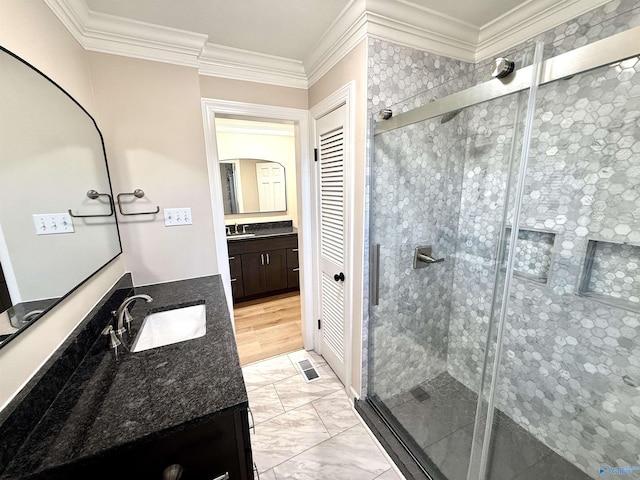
(264, 233)
(109, 404)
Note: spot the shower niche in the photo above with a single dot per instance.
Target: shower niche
(611, 274)
(533, 254)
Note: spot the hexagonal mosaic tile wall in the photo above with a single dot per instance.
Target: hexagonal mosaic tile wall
(570, 369)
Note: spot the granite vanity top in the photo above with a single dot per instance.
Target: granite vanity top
(109, 404)
(264, 230)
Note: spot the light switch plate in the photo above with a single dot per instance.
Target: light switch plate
(52, 223)
(174, 217)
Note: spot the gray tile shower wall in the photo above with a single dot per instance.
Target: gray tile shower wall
(407, 199)
(414, 303)
(570, 370)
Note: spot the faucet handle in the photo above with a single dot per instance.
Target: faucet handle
(114, 341)
(127, 319)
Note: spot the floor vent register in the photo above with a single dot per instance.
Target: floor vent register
(308, 371)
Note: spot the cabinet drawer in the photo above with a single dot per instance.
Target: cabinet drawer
(237, 288)
(292, 257)
(238, 247)
(293, 277)
(235, 265)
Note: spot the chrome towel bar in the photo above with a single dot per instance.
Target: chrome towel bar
(138, 193)
(94, 195)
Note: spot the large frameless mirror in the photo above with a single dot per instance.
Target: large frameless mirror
(57, 223)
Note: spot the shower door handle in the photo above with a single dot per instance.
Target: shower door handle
(375, 274)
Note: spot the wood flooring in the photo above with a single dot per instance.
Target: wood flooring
(268, 327)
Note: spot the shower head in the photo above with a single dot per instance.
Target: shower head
(449, 116)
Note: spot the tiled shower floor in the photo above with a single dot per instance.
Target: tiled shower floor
(308, 431)
(439, 416)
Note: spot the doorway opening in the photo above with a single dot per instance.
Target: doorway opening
(257, 168)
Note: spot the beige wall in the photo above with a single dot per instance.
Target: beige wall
(152, 124)
(29, 29)
(353, 68)
(251, 92)
(277, 148)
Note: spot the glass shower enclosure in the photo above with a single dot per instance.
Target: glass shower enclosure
(504, 325)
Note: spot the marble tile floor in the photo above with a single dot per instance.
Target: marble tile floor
(308, 431)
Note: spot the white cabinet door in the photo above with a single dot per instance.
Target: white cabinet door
(331, 158)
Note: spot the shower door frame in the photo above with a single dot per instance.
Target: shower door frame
(612, 49)
(615, 48)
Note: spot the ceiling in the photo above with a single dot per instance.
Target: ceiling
(294, 43)
(284, 28)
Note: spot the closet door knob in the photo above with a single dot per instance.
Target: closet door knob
(339, 277)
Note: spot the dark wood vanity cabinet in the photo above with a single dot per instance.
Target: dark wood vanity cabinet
(263, 266)
(204, 451)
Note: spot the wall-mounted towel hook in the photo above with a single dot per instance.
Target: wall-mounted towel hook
(94, 195)
(138, 193)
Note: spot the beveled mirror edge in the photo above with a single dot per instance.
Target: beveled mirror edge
(104, 153)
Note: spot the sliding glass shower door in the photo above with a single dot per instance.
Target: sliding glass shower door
(439, 188)
(567, 394)
(504, 333)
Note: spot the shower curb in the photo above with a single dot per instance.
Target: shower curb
(396, 451)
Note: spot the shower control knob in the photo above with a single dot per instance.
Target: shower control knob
(502, 67)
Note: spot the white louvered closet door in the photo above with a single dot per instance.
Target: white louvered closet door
(331, 158)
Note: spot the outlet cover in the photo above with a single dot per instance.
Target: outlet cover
(53, 223)
(174, 217)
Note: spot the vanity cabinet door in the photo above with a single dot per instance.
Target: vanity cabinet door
(237, 285)
(276, 269)
(293, 268)
(253, 273)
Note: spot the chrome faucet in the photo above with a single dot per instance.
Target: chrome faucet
(122, 314)
(237, 232)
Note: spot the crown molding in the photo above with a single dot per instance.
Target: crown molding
(397, 21)
(527, 21)
(221, 61)
(342, 36)
(104, 33)
(406, 23)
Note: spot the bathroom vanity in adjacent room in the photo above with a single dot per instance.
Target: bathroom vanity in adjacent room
(263, 260)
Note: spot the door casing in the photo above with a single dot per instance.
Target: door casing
(304, 160)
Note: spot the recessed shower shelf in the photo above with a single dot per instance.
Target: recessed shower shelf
(533, 254)
(611, 274)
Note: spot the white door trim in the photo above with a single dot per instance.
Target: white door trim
(343, 96)
(304, 167)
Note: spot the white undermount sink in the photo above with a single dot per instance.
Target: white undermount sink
(171, 326)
